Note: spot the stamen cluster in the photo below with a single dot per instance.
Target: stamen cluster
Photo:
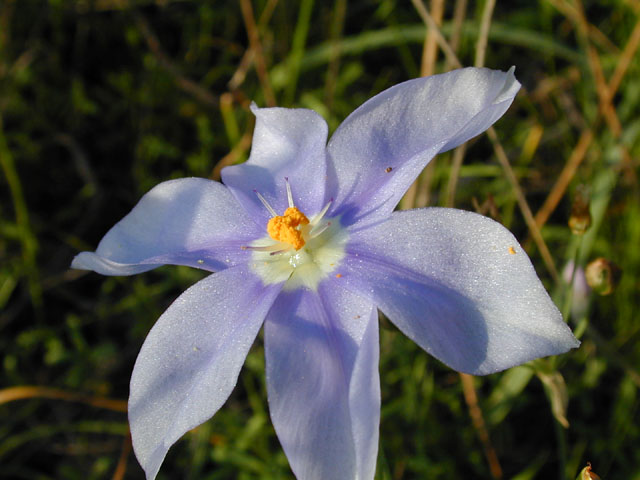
(297, 250)
(284, 228)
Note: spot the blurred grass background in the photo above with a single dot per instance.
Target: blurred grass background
(102, 99)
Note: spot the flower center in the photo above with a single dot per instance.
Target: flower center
(297, 250)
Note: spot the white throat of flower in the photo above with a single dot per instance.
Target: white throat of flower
(296, 250)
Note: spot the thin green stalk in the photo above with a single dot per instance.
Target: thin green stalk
(297, 49)
(562, 449)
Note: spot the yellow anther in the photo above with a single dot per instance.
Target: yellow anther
(284, 228)
(296, 216)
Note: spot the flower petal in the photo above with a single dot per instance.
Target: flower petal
(191, 359)
(380, 148)
(460, 286)
(286, 143)
(322, 378)
(190, 221)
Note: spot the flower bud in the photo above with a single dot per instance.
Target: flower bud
(580, 219)
(602, 275)
(587, 474)
(580, 289)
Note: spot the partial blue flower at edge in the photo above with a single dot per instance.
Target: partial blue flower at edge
(456, 283)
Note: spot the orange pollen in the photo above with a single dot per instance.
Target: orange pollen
(284, 228)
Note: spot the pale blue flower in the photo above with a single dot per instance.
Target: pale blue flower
(456, 283)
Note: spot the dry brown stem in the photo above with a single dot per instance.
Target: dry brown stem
(121, 468)
(258, 54)
(27, 391)
(606, 92)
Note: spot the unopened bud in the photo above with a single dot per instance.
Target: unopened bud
(587, 474)
(602, 276)
(580, 290)
(580, 219)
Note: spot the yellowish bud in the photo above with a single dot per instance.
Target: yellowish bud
(580, 219)
(602, 275)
